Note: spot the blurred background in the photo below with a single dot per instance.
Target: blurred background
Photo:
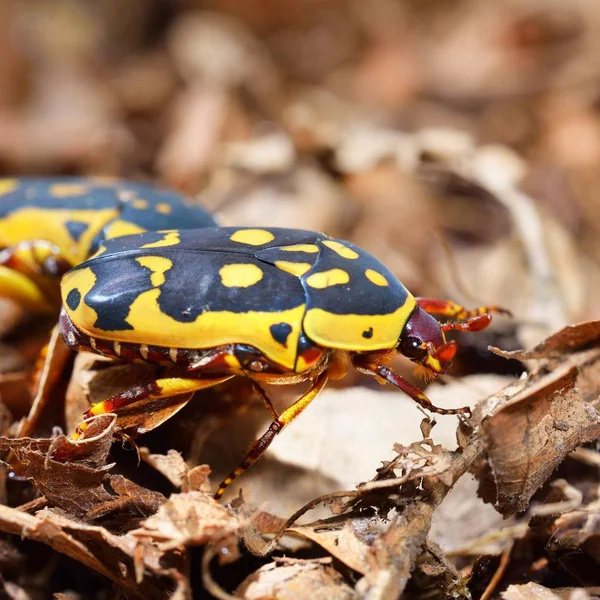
(458, 141)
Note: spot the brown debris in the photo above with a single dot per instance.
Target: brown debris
(458, 143)
(294, 580)
(531, 591)
(188, 519)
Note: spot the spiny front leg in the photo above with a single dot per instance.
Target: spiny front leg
(366, 364)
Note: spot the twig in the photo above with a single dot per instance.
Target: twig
(504, 560)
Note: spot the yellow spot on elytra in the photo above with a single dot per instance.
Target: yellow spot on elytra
(240, 275)
(163, 208)
(252, 237)
(66, 190)
(326, 279)
(159, 265)
(8, 185)
(311, 248)
(171, 238)
(376, 278)
(294, 268)
(342, 250)
(119, 227)
(139, 203)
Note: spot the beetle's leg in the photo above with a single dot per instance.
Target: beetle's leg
(265, 399)
(22, 290)
(262, 443)
(26, 271)
(159, 388)
(365, 364)
(476, 319)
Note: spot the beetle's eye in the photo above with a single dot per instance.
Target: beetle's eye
(410, 347)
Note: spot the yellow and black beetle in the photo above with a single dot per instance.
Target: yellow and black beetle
(274, 305)
(50, 224)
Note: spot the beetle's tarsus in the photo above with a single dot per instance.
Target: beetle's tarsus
(408, 388)
(457, 312)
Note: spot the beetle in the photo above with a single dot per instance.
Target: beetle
(278, 306)
(50, 224)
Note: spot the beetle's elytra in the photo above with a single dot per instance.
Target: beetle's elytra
(274, 305)
(50, 224)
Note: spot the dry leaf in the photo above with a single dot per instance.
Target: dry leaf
(295, 581)
(108, 554)
(529, 436)
(568, 339)
(534, 591)
(341, 541)
(171, 465)
(69, 474)
(188, 519)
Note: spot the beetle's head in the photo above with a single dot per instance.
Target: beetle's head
(422, 341)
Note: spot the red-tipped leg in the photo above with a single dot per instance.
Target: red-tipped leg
(160, 388)
(477, 323)
(365, 365)
(463, 319)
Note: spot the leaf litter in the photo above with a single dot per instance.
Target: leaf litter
(378, 531)
(364, 123)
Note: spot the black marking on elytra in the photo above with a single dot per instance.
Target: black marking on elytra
(368, 334)
(357, 297)
(181, 216)
(116, 287)
(211, 239)
(76, 229)
(192, 286)
(281, 332)
(73, 299)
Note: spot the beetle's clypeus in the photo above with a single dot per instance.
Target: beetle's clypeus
(50, 224)
(274, 305)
